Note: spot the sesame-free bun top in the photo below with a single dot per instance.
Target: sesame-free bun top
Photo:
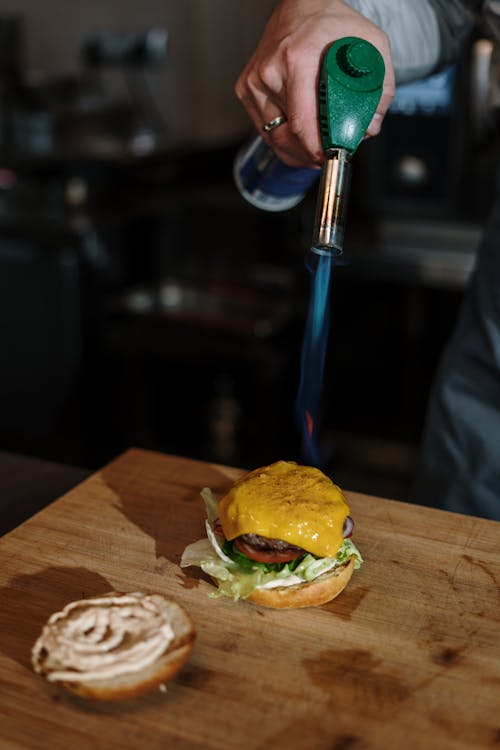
(287, 501)
(114, 646)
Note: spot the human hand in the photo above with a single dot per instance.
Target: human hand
(281, 77)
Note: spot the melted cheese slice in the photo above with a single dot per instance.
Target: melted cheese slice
(297, 504)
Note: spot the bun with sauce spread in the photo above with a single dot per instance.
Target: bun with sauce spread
(280, 538)
(114, 646)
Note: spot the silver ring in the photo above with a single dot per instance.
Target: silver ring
(275, 123)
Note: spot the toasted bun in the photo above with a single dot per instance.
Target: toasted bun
(320, 591)
(149, 636)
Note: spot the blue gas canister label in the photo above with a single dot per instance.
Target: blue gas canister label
(265, 182)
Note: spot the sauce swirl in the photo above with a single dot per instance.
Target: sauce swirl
(103, 637)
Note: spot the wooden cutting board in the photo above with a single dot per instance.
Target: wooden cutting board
(407, 657)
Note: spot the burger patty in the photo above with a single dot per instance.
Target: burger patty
(264, 542)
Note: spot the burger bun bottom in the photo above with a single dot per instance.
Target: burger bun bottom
(320, 591)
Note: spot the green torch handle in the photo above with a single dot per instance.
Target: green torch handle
(350, 86)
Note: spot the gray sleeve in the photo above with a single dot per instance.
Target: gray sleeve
(456, 19)
(413, 31)
(424, 34)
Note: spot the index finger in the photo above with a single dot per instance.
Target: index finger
(302, 109)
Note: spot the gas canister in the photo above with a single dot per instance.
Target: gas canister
(265, 181)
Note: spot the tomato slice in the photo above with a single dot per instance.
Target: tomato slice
(267, 555)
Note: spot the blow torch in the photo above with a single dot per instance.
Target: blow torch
(350, 86)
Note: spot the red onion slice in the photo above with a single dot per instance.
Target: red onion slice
(348, 527)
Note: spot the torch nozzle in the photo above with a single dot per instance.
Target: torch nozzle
(328, 235)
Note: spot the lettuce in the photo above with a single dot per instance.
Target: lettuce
(238, 576)
(348, 550)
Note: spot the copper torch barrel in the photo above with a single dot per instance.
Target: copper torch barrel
(328, 235)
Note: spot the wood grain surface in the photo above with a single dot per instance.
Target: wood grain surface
(407, 657)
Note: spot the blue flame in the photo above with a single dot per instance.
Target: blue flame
(314, 345)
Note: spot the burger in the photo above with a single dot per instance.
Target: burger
(281, 538)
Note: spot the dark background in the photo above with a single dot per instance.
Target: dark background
(144, 303)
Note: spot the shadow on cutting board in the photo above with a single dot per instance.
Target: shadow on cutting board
(144, 499)
(29, 600)
(26, 605)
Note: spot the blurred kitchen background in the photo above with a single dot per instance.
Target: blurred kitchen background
(145, 303)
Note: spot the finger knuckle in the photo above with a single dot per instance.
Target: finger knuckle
(266, 74)
(295, 124)
(239, 90)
